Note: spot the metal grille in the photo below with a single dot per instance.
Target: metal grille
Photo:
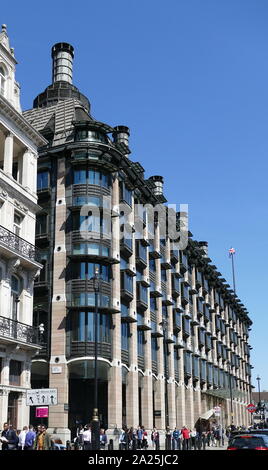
(17, 244)
(15, 330)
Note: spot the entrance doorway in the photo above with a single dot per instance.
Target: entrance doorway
(12, 410)
(81, 393)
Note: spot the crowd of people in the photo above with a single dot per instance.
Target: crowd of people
(178, 439)
(28, 438)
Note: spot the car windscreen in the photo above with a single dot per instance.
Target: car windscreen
(249, 441)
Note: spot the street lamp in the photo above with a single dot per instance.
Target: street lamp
(260, 408)
(259, 388)
(164, 325)
(95, 426)
(231, 393)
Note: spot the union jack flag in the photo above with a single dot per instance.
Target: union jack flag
(231, 252)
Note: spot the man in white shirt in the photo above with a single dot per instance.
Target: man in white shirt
(22, 437)
(87, 438)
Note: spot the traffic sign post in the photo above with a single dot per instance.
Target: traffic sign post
(251, 408)
(42, 397)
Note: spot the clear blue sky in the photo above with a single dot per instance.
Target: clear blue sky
(190, 79)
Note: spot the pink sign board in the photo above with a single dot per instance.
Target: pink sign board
(41, 412)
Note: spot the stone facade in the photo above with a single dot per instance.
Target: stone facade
(18, 255)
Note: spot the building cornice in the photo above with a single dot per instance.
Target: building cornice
(10, 112)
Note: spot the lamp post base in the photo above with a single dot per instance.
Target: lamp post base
(95, 431)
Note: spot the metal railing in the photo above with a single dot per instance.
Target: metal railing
(12, 329)
(18, 244)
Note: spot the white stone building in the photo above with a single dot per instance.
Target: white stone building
(18, 257)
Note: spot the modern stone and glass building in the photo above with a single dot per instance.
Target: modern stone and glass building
(173, 336)
(18, 256)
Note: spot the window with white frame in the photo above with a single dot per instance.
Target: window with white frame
(17, 224)
(15, 294)
(3, 80)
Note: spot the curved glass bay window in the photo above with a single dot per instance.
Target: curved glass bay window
(92, 222)
(86, 270)
(90, 135)
(83, 175)
(83, 327)
(84, 299)
(94, 249)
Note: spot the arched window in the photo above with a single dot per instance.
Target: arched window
(3, 79)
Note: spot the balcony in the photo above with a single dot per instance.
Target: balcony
(154, 253)
(126, 286)
(12, 331)
(11, 244)
(141, 254)
(126, 246)
(175, 287)
(143, 323)
(155, 291)
(174, 256)
(142, 296)
(183, 263)
(157, 330)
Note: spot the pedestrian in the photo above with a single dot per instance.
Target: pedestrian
(29, 438)
(168, 438)
(139, 437)
(186, 438)
(222, 437)
(43, 439)
(123, 439)
(22, 436)
(155, 438)
(193, 439)
(204, 440)
(12, 438)
(176, 441)
(3, 438)
(144, 439)
(103, 439)
(87, 438)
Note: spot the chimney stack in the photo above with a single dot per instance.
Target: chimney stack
(204, 246)
(158, 182)
(62, 55)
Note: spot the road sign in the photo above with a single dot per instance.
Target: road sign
(42, 396)
(251, 408)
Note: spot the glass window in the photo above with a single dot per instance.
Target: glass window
(94, 177)
(83, 327)
(17, 223)
(42, 180)
(140, 343)
(41, 224)
(14, 372)
(163, 275)
(153, 304)
(152, 265)
(127, 282)
(125, 336)
(80, 176)
(87, 270)
(154, 349)
(3, 79)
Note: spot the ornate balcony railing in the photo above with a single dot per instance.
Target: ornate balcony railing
(18, 331)
(17, 244)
